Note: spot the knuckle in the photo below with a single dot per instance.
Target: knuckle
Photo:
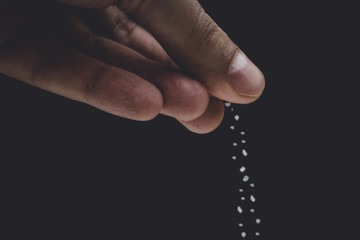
(208, 29)
(92, 84)
(213, 47)
(211, 35)
(88, 40)
(123, 29)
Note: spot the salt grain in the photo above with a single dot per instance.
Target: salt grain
(244, 152)
(246, 178)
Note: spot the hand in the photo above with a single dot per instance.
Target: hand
(131, 58)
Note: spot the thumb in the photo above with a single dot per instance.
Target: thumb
(199, 46)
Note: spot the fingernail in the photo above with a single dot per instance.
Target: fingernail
(245, 78)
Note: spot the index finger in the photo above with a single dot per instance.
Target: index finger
(199, 46)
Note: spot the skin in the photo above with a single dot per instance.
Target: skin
(132, 58)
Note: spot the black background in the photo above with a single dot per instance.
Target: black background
(69, 170)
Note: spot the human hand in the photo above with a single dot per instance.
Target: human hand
(131, 58)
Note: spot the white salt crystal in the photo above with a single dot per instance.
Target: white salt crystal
(246, 178)
(244, 152)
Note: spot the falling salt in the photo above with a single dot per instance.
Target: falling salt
(246, 178)
(244, 152)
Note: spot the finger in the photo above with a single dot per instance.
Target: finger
(64, 71)
(114, 24)
(209, 121)
(184, 97)
(199, 46)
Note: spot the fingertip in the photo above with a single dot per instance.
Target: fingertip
(147, 105)
(190, 100)
(209, 121)
(245, 77)
(184, 97)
